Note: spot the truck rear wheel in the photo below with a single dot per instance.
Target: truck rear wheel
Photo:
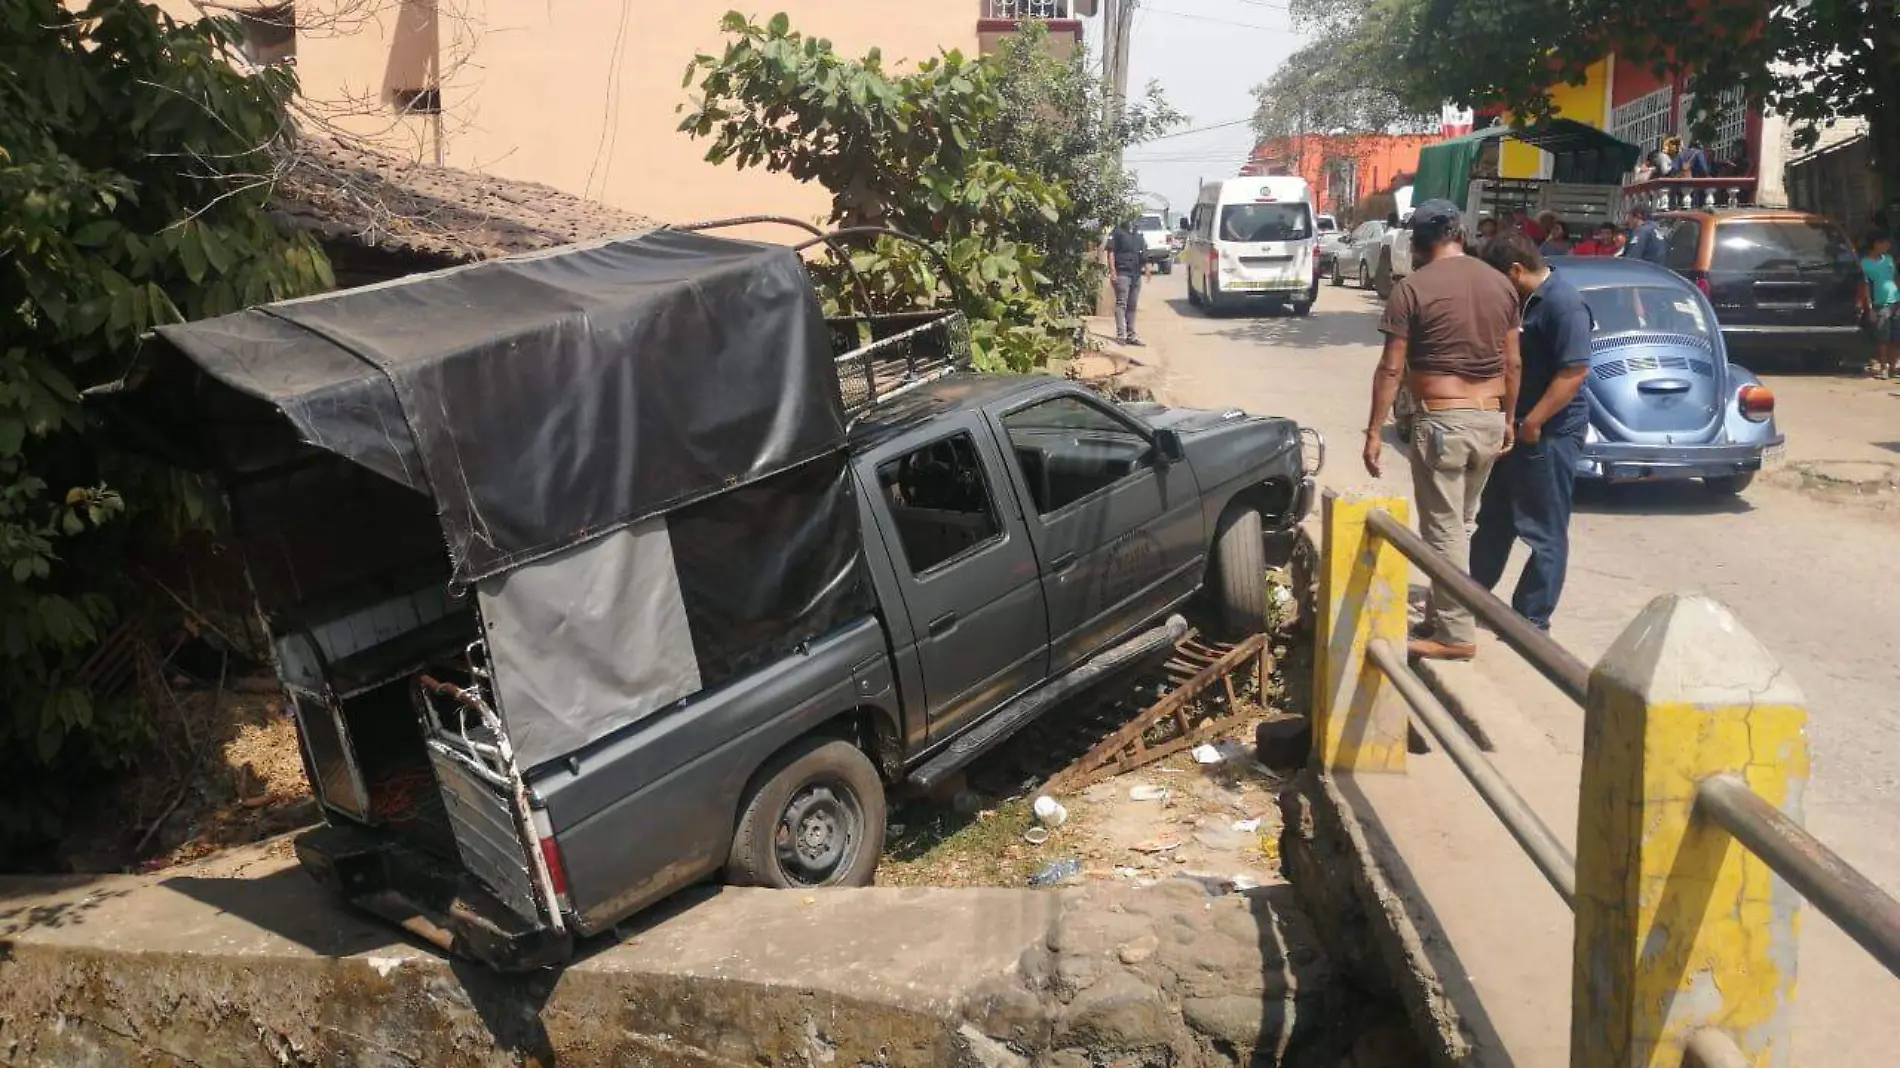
(815, 819)
(1239, 579)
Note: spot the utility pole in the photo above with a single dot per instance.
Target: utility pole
(1122, 12)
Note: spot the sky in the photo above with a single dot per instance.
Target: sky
(1207, 55)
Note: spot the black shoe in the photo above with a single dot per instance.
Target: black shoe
(1136, 342)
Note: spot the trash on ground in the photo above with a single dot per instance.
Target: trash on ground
(1056, 871)
(1212, 885)
(1036, 835)
(1222, 752)
(1220, 838)
(894, 830)
(1244, 883)
(1156, 845)
(1247, 826)
(1050, 811)
(1146, 792)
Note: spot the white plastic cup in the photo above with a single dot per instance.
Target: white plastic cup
(1050, 812)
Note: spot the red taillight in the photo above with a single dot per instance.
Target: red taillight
(557, 872)
(1756, 402)
(1703, 285)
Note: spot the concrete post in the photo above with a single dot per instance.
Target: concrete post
(1359, 720)
(1679, 927)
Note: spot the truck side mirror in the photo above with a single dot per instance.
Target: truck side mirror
(1167, 447)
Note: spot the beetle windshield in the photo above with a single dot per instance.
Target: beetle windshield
(1646, 310)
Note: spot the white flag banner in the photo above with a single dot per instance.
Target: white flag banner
(1456, 122)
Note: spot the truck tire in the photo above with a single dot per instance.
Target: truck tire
(1337, 279)
(1382, 278)
(1365, 276)
(1167, 266)
(816, 818)
(1239, 578)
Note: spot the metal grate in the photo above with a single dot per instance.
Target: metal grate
(1644, 121)
(903, 352)
(1647, 362)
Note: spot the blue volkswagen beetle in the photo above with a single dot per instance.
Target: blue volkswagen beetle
(1665, 402)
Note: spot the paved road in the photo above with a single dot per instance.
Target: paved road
(1818, 582)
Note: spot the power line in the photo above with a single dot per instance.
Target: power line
(1199, 130)
(1221, 22)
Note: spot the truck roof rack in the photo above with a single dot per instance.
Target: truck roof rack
(880, 356)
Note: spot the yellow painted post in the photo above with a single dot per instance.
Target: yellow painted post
(1678, 926)
(1359, 720)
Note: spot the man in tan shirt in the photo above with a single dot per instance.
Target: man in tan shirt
(1451, 335)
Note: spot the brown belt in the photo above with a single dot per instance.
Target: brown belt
(1483, 404)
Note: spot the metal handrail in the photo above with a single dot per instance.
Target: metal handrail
(1553, 661)
(1864, 911)
(1546, 851)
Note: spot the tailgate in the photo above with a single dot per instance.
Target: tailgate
(493, 844)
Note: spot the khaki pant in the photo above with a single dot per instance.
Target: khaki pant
(1452, 454)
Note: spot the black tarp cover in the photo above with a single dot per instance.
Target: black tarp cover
(544, 400)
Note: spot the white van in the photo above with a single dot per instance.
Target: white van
(1253, 238)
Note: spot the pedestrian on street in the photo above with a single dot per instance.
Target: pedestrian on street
(1645, 241)
(1601, 242)
(1880, 303)
(1529, 494)
(1127, 256)
(1451, 337)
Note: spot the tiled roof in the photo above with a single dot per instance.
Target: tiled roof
(357, 193)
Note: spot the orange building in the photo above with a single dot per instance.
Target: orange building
(1343, 169)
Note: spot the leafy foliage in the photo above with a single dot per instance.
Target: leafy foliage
(1056, 117)
(1813, 62)
(1339, 81)
(933, 151)
(134, 165)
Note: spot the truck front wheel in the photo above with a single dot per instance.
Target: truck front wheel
(1239, 579)
(815, 819)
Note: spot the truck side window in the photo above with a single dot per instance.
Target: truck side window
(1069, 449)
(941, 502)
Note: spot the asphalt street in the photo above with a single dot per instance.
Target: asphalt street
(1815, 576)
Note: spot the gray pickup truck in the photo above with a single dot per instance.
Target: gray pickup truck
(596, 573)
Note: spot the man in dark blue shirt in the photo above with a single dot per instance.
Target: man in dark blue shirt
(1646, 241)
(1529, 495)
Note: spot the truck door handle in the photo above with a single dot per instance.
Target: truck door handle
(1063, 562)
(943, 624)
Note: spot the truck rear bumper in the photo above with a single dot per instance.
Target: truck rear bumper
(428, 899)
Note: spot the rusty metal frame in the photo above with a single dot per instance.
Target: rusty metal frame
(1127, 748)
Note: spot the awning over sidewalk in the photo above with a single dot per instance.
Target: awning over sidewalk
(1583, 154)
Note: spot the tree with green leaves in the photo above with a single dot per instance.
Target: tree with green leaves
(939, 151)
(135, 165)
(1058, 118)
(1814, 62)
(1338, 81)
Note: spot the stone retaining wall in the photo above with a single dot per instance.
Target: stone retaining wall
(260, 968)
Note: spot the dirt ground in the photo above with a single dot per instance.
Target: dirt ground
(223, 770)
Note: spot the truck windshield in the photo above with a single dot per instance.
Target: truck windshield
(1149, 222)
(1265, 222)
(1645, 310)
(1752, 246)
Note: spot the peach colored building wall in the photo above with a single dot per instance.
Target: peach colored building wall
(579, 94)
